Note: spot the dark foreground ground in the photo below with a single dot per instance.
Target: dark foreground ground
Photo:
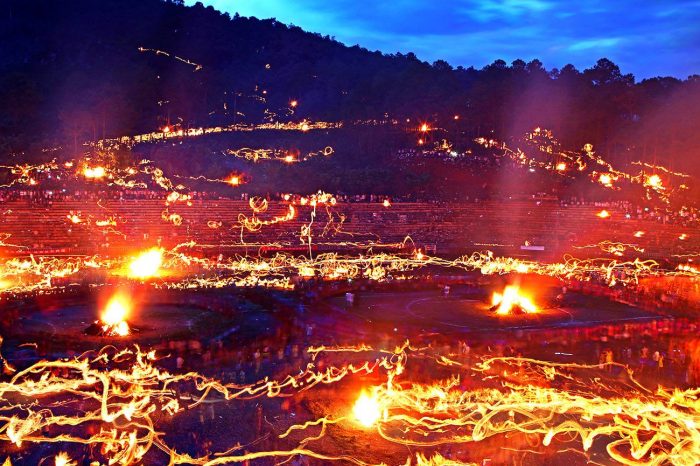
(240, 337)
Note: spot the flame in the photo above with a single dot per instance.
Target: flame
(561, 166)
(62, 459)
(606, 180)
(94, 173)
(603, 214)
(654, 181)
(146, 264)
(511, 298)
(114, 315)
(367, 410)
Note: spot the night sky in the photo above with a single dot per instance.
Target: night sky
(646, 38)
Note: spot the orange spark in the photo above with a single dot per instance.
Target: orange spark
(94, 173)
(367, 410)
(147, 264)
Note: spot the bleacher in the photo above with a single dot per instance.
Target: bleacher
(501, 226)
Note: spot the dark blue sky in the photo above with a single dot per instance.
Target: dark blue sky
(645, 37)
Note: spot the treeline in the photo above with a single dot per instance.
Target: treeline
(72, 70)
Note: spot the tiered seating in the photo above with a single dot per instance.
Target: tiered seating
(453, 227)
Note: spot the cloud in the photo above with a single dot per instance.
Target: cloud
(602, 43)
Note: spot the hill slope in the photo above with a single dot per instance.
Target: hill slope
(73, 70)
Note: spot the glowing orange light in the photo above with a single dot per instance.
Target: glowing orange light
(94, 173)
(561, 166)
(605, 179)
(420, 142)
(147, 264)
(367, 410)
(456, 117)
(293, 103)
(654, 181)
(683, 237)
(638, 234)
(62, 459)
(603, 214)
(304, 126)
(166, 129)
(386, 203)
(114, 316)
(424, 128)
(234, 180)
(512, 299)
(289, 158)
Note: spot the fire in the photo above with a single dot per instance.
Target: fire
(512, 299)
(606, 180)
(62, 459)
(74, 218)
(234, 180)
(688, 268)
(603, 214)
(386, 203)
(561, 166)
(94, 173)
(367, 410)
(114, 315)
(638, 234)
(424, 128)
(654, 181)
(146, 264)
(293, 103)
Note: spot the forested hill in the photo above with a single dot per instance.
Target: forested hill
(73, 69)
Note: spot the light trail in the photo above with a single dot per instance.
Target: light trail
(127, 396)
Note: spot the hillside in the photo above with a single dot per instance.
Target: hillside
(82, 76)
